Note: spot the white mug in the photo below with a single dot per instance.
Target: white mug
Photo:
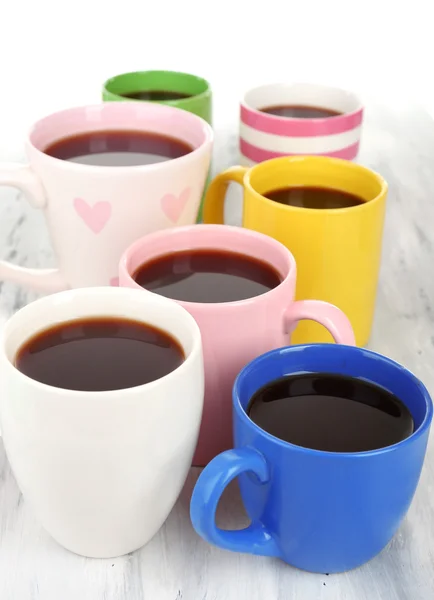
(101, 470)
(94, 212)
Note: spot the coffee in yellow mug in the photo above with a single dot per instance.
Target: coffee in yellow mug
(337, 250)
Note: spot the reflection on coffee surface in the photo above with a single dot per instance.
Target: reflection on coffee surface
(314, 197)
(99, 354)
(156, 95)
(329, 412)
(207, 275)
(298, 111)
(118, 148)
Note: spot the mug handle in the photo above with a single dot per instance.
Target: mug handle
(44, 280)
(327, 315)
(254, 539)
(214, 203)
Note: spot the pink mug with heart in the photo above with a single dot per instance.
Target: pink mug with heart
(234, 333)
(94, 211)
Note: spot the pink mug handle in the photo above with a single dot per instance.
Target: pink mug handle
(328, 315)
(44, 280)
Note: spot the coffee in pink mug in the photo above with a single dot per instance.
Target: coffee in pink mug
(233, 332)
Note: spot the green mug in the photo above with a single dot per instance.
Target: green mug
(181, 90)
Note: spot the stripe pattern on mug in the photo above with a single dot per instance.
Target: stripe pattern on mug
(264, 136)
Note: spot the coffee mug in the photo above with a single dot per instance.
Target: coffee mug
(181, 90)
(94, 212)
(101, 470)
(264, 135)
(233, 333)
(337, 251)
(324, 512)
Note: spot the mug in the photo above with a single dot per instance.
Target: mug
(233, 333)
(197, 89)
(324, 512)
(101, 470)
(94, 212)
(264, 136)
(337, 251)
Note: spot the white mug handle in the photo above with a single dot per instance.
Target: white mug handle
(44, 280)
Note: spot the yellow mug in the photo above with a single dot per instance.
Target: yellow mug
(337, 251)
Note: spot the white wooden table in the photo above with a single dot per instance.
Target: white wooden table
(176, 564)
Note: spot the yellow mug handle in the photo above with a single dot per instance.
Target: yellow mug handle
(214, 204)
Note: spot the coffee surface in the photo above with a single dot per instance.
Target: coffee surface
(99, 354)
(203, 275)
(156, 95)
(314, 197)
(118, 148)
(330, 412)
(297, 111)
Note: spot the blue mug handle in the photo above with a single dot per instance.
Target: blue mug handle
(254, 539)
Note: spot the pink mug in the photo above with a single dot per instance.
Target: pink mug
(94, 212)
(233, 333)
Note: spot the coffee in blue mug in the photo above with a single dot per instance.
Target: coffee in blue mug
(334, 506)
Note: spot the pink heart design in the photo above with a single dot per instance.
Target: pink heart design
(173, 205)
(114, 281)
(95, 216)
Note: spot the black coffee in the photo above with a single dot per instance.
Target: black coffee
(296, 111)
(99, 354)
(118, 148)
(204, 275)
(156, 95)
(314, 197)
(330, 412)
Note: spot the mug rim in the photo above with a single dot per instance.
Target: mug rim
(339, 162)
(245, 372)
(206, 92)
(317, 121)
(95, 292)
(206, 130)
(260, 238)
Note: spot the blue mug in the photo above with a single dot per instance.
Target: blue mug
(324, 512)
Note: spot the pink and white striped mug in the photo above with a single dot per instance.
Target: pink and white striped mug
(264, 135)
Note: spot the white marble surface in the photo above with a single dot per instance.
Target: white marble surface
(399, 143)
